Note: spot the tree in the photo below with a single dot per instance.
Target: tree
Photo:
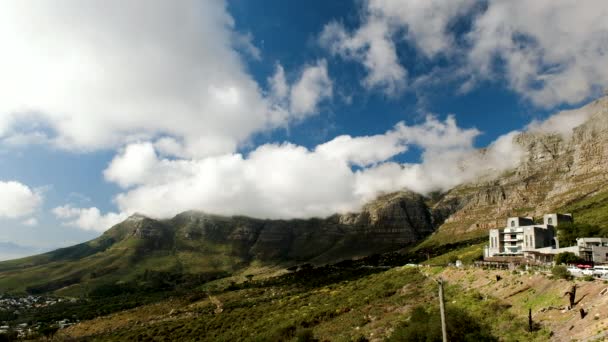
(567, 258)
(49, 330)
(569, 232)
(561, 272)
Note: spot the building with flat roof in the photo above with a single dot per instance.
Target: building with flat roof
(522, 234)
(522, 238)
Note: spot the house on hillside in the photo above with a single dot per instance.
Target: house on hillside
(523, 240)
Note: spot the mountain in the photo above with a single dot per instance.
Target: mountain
(562, 171)
(198, 243)
(566, 172)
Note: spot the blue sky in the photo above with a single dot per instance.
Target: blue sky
(274, 109)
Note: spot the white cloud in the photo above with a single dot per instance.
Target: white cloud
(426, 21)
(550, 52)
(87, 218)
(303, 96)
(313, 86)
(554, 51)
(441, 168)
(244, 42)
(424, 24)
(278, 84)
(132, 166)
(17, 200)
(565, 121)
(290, 181)
(371, 46)
(363, 151)
(101, 75)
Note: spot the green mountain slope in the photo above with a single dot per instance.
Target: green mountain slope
(209, 246)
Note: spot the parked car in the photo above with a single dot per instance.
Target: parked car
(574, 270)
(600, 270)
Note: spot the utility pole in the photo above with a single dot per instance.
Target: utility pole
(444, 331)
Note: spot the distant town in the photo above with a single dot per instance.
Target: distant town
(14, 305)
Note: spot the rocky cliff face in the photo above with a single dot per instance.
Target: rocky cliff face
(390, 222)
(557, 169)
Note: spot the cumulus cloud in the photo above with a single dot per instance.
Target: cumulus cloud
(87, 218)
(308, 91)
(302, 97)
(371, 46)
(133, 165)
(530, 40)
(99, 75)
(519, 41)
(424, 24)
(17, 200)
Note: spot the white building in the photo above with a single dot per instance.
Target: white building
(521, 234)
(538, 242)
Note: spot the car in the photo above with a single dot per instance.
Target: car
(600, 270)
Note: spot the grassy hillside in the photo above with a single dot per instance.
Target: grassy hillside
(590, 210)
(341, 305)
(120, 254)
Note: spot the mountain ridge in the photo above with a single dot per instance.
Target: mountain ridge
(198, 243)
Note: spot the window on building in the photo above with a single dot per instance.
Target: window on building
(513, 236)
(526, 238)
(513, 243)
(550, 220)
(513, 223)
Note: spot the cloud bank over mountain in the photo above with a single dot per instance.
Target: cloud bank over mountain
(290, 181)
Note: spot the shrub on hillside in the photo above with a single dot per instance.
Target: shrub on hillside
(425, 326)
(561, 272)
